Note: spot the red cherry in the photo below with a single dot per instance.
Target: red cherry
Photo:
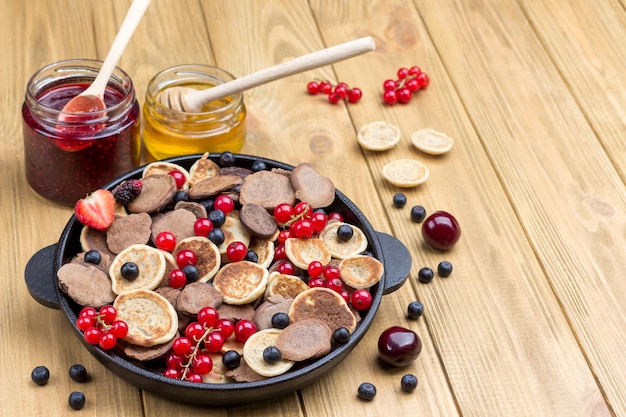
(441, 230)
(399, 346)
(165, 241)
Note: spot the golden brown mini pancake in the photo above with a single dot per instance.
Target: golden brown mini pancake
(150, 262)
(289, 286)
(253, 354)
(202, 169)
(208, 255)
(241, 282)
(343, 249)
(361, 271)
(301, 252)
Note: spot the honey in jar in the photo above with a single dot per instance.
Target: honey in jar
(219, 127)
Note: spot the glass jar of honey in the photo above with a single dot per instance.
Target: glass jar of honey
(67, 158)
(219, 127)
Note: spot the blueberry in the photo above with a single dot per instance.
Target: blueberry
(252, 256)
(78, 372)
(345, 232)
(208, 205)
(258, 166)
(341, 336)
(367, 391)
(191, 273)
(216, 236)
(418, 214)
(271, 354)
(129, 271)
(217, 217)
(227, 159)
(425, 275)
(415, 310)
(92, 257)
(444, 269)
(76, 400)
(399, 200)
(231, 359)
(408, 383)
(181, 195)
(280, 320)
(40, 375)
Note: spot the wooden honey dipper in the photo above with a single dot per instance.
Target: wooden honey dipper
(192, 101)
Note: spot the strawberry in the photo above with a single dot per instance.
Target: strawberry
(97, 210)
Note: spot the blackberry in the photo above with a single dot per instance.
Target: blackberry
(40, 375)
(127, 191)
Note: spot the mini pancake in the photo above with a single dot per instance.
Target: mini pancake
(129, 230)
(289, 286)
(157, 191)
(92, 239)
(253, 354)
(207, 254)
(160, 167)
(150, 262)
(431, 141)
(197, 295)
(267, 189)
(241, 282)
(178, 222)
(214, 185)
(301, 252)
(218, 372)
(272, 305)
(86, 284)
(323, 304)
(150, 317)
(234, 231)
(405, 173)
(305, 339)
(258, 221)
(378, 136)
(202, 169)
(264, 248)
(311, 186)
(343, 249)
(361, 271)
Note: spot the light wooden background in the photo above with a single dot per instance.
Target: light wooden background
(532, 321)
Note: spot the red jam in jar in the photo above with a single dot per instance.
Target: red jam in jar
(66, 160)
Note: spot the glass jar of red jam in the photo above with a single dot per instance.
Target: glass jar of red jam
(67, 159)
(220, 125)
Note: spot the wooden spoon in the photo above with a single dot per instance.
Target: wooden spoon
(92, 99)
(192, 101)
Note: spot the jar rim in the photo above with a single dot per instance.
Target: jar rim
(180, 74)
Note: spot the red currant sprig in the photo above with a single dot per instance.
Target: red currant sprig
(101, 327)
(410, 81)
(336, 93)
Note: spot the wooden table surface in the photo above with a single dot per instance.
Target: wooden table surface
(532, 322)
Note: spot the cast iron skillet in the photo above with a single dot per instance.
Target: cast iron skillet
(42, 282)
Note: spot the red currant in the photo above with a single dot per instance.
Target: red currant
(304, 209)
(283, 213)
(214, 342)
(177, 278)
(313, 87)
(172, 373)
(119, 329)
(335, 216)
(88, 312)
(414, 70)
(107, 314)
(361, 299)
(83, 323)
(208, 317)
(413, 85)
(165, 241)
(194, 331)
(330, 272)
(202, 364)
(224, 203)
(226, 328)
(319, 221)
(179, 177)
(193, 377)
(317, 282)
(186, 257)
(302, 229)
(390, 97)
(404, 95)
(334, 284)
(92, 335)
(279, 253)
(174, 361)
(325, 87)
(403, 73)
(236, 251)
(203, 226)
(284, 235)
(423, 79)
(315, 269)
(341, 91)
(346, 296)
(244, 329)
(334, 98)
(107, 341)
(182, 346)
(286, 268)
(355, 95)
(389, 85)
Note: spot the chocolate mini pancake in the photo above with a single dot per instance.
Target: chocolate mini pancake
(150, 264)
(361, 271)
(196, 296)
(86, 284)
(341, 249)
(267, 189)
(197, 209)
(212, 186)
(144, 354)
(207, 254)
(288, 286)
(178, 222)
(157, 191)
(234, 231)
(202, 169)
(311, 186)
(241, 282)
(129, 230)
(272, 305)
(305, 339)
(301, 252)
(235, 313)
(258, 220)
(243, 373)
(150, 317)
(264, 248)
(235, 170)
(253, 354)
(92, 239)
(160, 168)
(323, 304)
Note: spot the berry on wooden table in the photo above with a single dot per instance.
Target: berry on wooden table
(410, 81)
(40, 375)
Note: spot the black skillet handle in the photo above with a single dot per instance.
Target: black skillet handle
(396, 260)
(39, 276)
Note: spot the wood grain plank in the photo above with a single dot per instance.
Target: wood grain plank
(499, 332)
